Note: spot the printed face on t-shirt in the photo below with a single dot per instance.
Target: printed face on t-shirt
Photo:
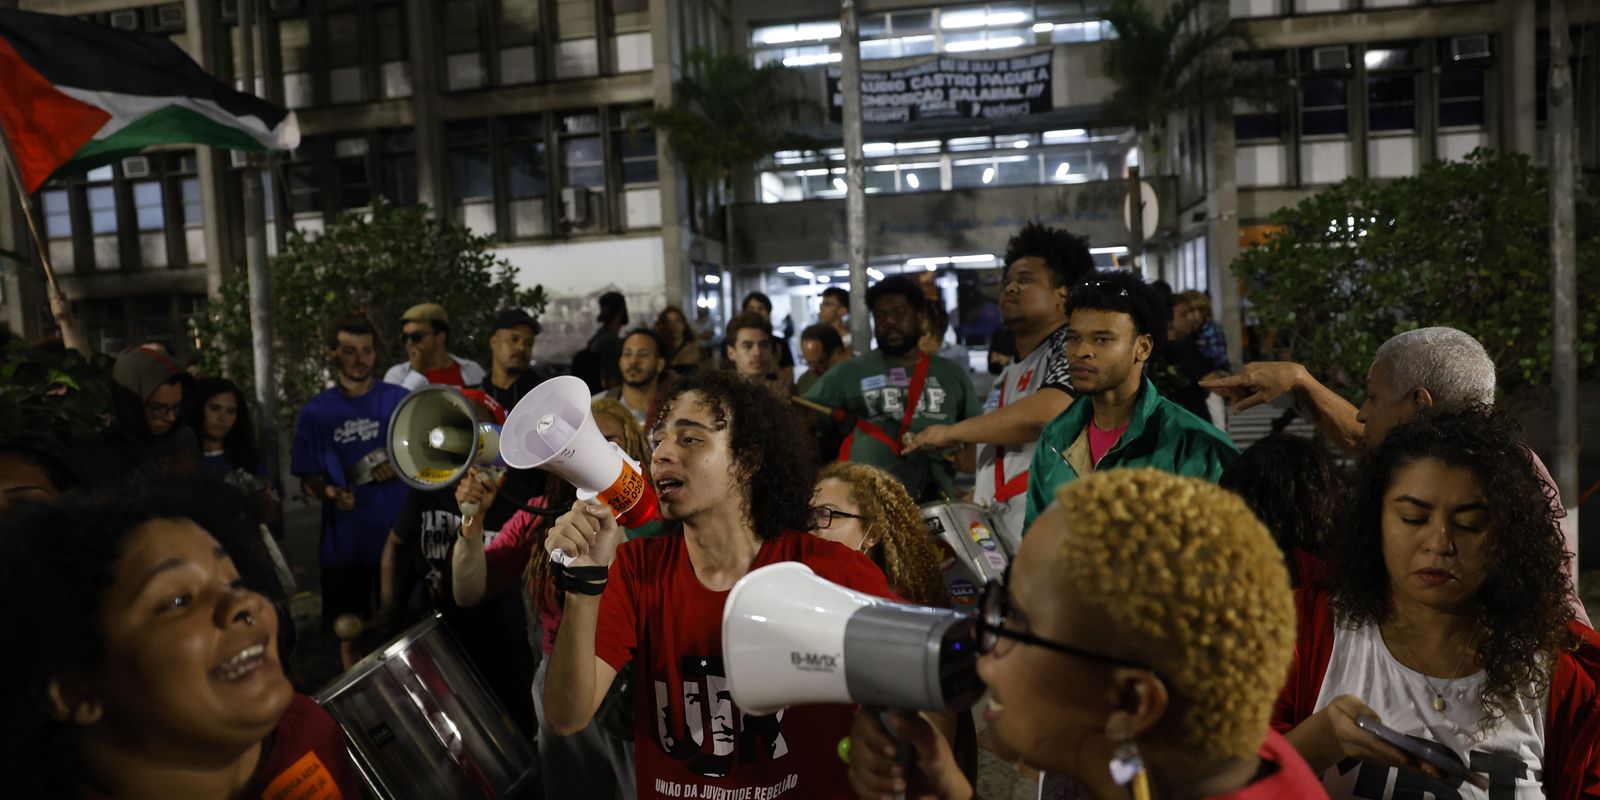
(191, 657)
(1436, 529)
(691, 459)
(1103, 350)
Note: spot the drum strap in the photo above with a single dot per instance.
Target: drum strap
(919, 376)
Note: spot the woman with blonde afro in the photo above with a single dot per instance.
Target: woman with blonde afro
(864, 508)
(1135, 651)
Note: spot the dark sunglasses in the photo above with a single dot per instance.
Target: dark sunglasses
(819, 517)
(415, 336)
(994, 607)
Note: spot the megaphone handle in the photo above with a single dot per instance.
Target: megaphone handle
(903, 749)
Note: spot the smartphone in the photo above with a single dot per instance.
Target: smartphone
(1428, 752)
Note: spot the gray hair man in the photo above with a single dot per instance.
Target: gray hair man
(1439, 366)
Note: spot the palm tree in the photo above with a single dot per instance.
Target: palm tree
(1176, 64)
(728, 115)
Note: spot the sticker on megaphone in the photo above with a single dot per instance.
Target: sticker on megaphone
(552, 429)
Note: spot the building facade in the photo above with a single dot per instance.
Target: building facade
(515, 117)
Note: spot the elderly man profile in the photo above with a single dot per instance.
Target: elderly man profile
(1439, 366)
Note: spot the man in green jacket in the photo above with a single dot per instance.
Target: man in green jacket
(1119, 419)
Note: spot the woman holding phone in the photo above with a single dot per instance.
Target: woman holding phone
(1445, 619)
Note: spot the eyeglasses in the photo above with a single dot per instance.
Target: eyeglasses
(159, 410)
(994, 609)
(1106, 286)
(414, 337)
(819, 517)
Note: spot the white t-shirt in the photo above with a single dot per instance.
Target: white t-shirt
(1045, 366)
(1511, 754)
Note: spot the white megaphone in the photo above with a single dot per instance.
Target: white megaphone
(436, 433)
(551, 429)
(790, 637)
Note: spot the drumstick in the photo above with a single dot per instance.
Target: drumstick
(837, 414)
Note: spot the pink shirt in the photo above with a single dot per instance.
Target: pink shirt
(1101, 442)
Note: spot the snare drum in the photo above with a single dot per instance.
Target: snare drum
(970, 552)
(421, 724)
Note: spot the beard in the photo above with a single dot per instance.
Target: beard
(649, 378)
(896, 350)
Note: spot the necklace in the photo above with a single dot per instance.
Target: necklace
(1439, 703)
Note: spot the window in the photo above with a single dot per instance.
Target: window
(148, 214)
(398, 167)
(294, 44)
(394, 67)
(577, 52)
(304, 176)
(471, 169)
(636, 146)
(1324, 109)
(57, 213)
(1461, 97)
(102, 209)
(1255, 122)
(519, 40)
(344, 59)
(350, 171)
(463, 46)
(527, 174)
(1391, 102)
(582, 156)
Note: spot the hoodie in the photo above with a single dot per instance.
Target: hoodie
(127, 446)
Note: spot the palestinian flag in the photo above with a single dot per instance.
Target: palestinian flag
(76, 95)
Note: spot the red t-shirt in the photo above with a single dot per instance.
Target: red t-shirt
(1290, 776)
(450, 376)
(305, 760)
(689, 736)
(1101, 442)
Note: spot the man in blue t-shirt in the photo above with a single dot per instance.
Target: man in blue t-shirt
(341, 460)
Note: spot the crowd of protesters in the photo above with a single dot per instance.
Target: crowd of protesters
(1207, 622)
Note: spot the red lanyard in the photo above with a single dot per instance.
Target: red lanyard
(919, 376)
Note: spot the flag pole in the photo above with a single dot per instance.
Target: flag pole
(27, 211)
(71, 334)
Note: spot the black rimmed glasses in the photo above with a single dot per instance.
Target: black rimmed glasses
(819, 517)
(994, 607)
(414, 337)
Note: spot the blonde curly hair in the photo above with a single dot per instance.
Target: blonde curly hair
(1196, 588)
(560, 495)
(904, 551)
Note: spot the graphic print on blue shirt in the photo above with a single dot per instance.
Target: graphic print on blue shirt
(333, 433)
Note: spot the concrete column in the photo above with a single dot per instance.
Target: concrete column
(1222, 232)
(1521, 99)
(201, 18)
(676, 206)
(432, 188)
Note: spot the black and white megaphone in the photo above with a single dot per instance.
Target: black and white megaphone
(551, 428)
(437, 433)
(790, 637)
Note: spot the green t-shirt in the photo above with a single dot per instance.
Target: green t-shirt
(875, 390)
